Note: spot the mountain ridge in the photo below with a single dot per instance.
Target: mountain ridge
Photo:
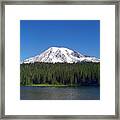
(60, 55)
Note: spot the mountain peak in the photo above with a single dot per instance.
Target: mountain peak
(61, 55)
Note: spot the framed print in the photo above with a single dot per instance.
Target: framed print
(60, 59)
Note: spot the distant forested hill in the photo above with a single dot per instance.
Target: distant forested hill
(60, 74)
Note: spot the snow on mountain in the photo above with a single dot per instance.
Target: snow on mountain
(61, 55)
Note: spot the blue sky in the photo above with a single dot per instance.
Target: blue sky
(80, 35)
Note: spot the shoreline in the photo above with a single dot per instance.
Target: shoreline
(51, 85)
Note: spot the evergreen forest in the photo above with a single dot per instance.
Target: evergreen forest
(75, 74)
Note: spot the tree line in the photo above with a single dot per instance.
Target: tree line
(60, 74)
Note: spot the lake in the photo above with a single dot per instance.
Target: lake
(60, 93)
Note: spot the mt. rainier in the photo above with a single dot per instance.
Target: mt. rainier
(61, 55)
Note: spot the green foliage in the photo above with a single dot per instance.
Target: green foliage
(60, 74)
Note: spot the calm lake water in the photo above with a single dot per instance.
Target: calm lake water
(61, 93)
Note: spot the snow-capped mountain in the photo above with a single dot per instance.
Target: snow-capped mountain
(61, 55)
